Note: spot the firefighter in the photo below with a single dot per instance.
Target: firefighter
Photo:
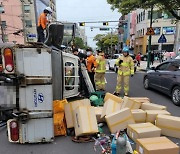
(125, 70)
(100, 71)
(91, 65)
(42, 24)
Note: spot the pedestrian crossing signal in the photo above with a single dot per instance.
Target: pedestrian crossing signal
(82, 24)
(105, 23)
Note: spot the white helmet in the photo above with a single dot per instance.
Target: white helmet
(48, 9)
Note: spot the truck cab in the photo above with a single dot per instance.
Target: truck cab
(36, 74)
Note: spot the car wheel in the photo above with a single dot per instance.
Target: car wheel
(109, 67)
(176, 95)
(144, 58)
(146, 83)
(115, 69)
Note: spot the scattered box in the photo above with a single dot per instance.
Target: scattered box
(119, 120)
(110, 106)
(112, 97)
(69, 110)
(156, 145)
(59, 124)
(169, 125)
(98, 112)
(141, 99)
(139, 115)
(130, 103)
(143, 130)
(85, 122)
(151, 106)
(151, 115)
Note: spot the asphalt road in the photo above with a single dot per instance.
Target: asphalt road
(64, 145)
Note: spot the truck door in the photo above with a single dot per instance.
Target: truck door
(71, 77)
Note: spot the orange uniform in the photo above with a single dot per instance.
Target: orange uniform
(91, 63)
(42, 20)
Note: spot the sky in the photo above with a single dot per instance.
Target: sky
(87, 11)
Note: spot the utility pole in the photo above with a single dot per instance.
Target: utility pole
(149, 41)
(177, 38)
(111, 42)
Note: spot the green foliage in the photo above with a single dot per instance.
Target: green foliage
(126, 6)
(105, 41)
(79, 43)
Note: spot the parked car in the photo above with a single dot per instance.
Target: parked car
(144, 57)
(112, 62)
(166, 79)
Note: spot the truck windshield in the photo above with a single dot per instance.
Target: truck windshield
(69, 30)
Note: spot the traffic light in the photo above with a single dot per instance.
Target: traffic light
(82, 24)
(105, 23)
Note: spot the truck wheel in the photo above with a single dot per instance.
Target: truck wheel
(176, 95)
(146, 83)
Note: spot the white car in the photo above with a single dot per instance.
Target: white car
(112, 62)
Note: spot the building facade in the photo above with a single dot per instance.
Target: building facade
(162, 24)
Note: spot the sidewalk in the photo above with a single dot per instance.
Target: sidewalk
(143, 65)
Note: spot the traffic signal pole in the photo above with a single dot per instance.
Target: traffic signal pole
(149, 41)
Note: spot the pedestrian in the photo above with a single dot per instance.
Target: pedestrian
(152, 58)
(138, 59)
(42, 24)
(100, 71)
(125, 70)
(91, 64)
(82, 85)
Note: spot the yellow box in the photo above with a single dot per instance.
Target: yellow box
(151, 106)
(143, 130)
(112, 97)
(170, 125)
(130, 103)
(72, 106)
(151, 115)
(110, 106)
(139, 115)
(98, 112)
(119, 120)
(156, 145)
(85, 122)
(58, 105)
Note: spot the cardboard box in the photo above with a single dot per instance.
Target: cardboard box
(156, 145)
(85, 122)
(72, 106)
(151, 106)
(169, 125)
(98, 112)
(112, 97)
(141, 99)
(130, 103)
(139, 115)
(59, 124)
(119, 120)
(110, 106)
(143, 130)
(151, 115)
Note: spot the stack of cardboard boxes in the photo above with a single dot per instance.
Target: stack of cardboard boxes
(138, 115)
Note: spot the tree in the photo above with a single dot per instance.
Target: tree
(105, 42)
(79, 43)
(126, 6)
